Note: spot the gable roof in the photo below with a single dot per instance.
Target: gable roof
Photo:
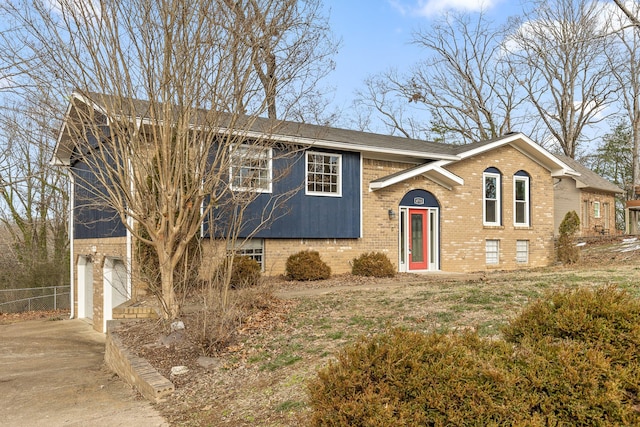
(588, 179)
(137, 111)
(431, 158)
(437, 172)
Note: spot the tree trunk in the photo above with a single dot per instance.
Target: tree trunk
(167, 295)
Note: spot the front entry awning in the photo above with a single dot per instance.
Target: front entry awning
(432, 170)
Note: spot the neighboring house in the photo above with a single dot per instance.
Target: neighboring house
(590, 196)
(429, 207)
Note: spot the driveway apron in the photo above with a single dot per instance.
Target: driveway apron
(52, 373)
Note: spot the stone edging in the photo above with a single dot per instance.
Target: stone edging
(134, 370)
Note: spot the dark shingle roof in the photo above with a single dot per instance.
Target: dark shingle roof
(361, 141)
(589, 178)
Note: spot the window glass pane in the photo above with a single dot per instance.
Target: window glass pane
(323, 173)
(492, 251)
(250, 168)
(490, 211)
(417, 236)
(491, 199)
(490, 187)
(522, 251)
(521, 217)
(521, 190)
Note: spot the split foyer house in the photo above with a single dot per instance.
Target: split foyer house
(428, 206)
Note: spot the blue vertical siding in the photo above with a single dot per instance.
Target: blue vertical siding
(302, 215)
(92, 219)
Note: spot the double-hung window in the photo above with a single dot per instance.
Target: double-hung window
(324, 174)
(521, 199)
(491, 197)
(251, 168)
(596, 209)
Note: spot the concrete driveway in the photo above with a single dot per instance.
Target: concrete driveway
(52, 373)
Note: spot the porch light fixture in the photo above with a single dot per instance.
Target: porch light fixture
(392, 214)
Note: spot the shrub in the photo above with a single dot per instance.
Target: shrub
(569, 383)
(375, 264)
(570, 359)
(245, 272)
(606, 319)
(407, 378)
(568, 252)
(307, 265)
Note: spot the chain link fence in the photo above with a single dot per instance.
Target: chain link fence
(34, 299)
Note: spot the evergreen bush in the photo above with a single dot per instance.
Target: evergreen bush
(245, 272)
(306, 266)
(568, 252)
(375, 264)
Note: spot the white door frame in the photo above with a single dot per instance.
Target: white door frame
(112, 296)
(433, 236)
(85, 287)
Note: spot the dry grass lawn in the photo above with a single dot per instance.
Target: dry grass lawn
(261, 380)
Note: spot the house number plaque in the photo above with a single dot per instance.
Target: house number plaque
(418, 201)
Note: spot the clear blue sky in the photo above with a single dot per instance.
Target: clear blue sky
(376, 35)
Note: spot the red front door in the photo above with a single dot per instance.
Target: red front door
(418, 259)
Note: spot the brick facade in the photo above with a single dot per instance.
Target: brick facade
(462, 235)
(592, 224)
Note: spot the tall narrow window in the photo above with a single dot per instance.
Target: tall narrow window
(596, 209)
(250, 168)
(521, 199)
(324, 174)
(491, 197)
(492, 252)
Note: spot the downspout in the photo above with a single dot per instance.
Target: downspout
(72, 275)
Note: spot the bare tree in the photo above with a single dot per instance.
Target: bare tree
(624, 61)
(34, 197)
(559, 51)
(290, 48)
(381, 97)
(630, 13)
(167, 163)
(465, 86)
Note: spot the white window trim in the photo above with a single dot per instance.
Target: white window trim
(596, 210)
(498, 199)
(306, 175)
(497, 252)
(526, 201)
(233, 152)
(524, 260)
